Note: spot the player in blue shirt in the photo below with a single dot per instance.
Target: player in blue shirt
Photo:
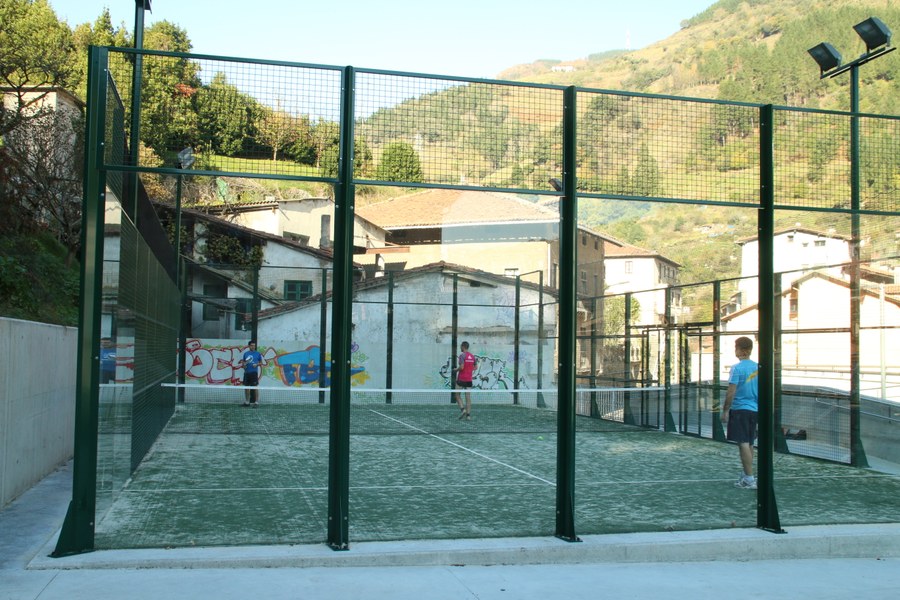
(251, 361)
(741, 408)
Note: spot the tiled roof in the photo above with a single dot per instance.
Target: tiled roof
(436, 207)
(807, 230)
(626, 250)
(398, 276)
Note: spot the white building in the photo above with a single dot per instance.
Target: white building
(796, 251)
(421, 341)
(647, 275)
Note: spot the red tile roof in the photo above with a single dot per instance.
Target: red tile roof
(436, 207)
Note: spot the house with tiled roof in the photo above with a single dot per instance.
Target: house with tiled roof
(222, 293)
(308, 220)
(797, 251)
(647, 275)
(494, 232)
(815, 320)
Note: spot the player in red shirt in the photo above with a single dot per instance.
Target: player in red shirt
(466, 364)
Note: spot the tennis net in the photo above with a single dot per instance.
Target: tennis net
(284, 410)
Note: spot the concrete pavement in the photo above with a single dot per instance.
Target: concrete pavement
(818, 562)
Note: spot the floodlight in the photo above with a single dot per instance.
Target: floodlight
(825, 56)
(556, 184)
(874, 33)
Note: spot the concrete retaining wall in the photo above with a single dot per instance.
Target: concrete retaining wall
(37, 402)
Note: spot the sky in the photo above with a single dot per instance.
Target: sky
(469, 38)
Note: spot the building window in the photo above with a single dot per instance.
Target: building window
(213, 291)
(819, 243)
(584, 240)
(297, 290)
(596, 244)
(629, 266)
(584, 282)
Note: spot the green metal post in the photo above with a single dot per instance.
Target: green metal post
(135, 130)
(184, 324)
(857, 451)
(323, 335)
(718, 430)
(780, 442)
(454, 338)
(389, 351)
(540, 339)
(341, 328)
(254, 305)
(667, 364)
(77, 533)
(568, 305)
(517, 339)
(628, 413)
(595, 409)
(766, 506)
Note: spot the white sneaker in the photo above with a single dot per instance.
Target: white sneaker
(747, 483)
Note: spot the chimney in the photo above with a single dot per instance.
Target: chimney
(325, 233)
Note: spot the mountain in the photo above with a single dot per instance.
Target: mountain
(747, 50)
(750, 51)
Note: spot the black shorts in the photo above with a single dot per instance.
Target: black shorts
(742, 426)
(463, 384)
(251, 379)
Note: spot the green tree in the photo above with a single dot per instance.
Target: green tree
(646, 180)
(399, 162)
(226, 117)
(278, 129)
(35, 52)
(325, 135)
(101, 33)
(169, 119)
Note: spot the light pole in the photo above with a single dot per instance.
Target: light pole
(185, 160)
(877, 38)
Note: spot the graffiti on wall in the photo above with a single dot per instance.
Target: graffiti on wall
(303, 367)
(215, 362)
(490, 374)
(218, 364)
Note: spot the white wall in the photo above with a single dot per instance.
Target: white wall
(37, 402)
(795, 253)
(422, 332)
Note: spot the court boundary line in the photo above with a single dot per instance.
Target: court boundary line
(461, 447)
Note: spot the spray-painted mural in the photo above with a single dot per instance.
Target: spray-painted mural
(218, 362)
(490, 374)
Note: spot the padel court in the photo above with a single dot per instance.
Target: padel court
(593, 414)
(225, 474)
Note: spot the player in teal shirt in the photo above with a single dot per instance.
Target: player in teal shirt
(741, 408)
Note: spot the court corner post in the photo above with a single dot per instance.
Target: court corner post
(77, 534)
(565, 453)
(766, 505)
(341, 327)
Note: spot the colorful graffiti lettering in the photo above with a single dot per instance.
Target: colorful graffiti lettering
(219, 364)
(302, 367)
(490, 374)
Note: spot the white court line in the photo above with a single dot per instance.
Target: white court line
(318, 488)
(478, 454)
